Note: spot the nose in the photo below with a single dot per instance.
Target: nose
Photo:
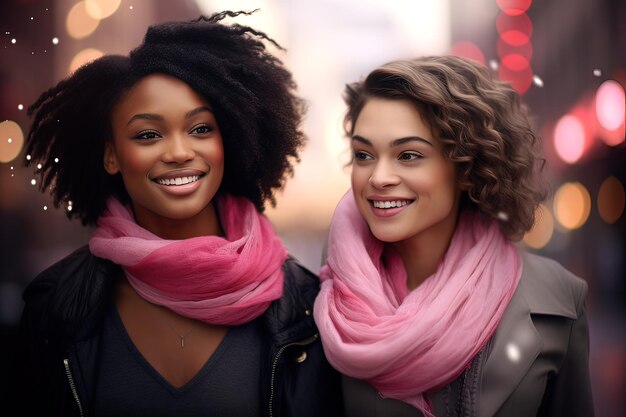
(383, 175)
(178, 149)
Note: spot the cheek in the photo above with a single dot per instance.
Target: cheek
(131, 159)
(214, 153)
(359, 178)
(445, 188)
(218, 154)
(439, 180)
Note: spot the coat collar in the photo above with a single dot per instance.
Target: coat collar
(517, 343)
(514, 347)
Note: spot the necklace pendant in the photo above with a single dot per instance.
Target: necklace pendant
(182, 342)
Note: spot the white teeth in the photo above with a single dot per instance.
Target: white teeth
(390, 204)
(178, 181)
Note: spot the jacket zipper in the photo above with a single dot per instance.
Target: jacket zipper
(66, 362)
(275, 364)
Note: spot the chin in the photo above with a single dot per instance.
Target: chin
(387, 236)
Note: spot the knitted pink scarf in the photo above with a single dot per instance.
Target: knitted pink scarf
(409, 343)
(218, 280)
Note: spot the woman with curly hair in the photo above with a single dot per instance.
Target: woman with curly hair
(427, 306)
(185, 302)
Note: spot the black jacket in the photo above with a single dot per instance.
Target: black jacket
(59, 343)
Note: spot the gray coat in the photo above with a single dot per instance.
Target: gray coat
(536, 364)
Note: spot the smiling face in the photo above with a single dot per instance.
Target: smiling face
(168, 148)
(404, 187)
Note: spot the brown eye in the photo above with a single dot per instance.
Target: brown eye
(146, 134)
(409, 156)
(202, 130)
(362, 156)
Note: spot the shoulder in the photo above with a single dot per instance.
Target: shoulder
(291, 316)
(66, 294)
(301, 284)
(549, 288)
(62, 273)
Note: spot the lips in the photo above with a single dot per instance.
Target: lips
(389, 202)
(179, 177)
(181, 182)
(388, 206)
(177, 180)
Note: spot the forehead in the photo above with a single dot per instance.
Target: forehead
(386, 119)
(158, 93)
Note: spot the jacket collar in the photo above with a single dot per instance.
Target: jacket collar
(514, 347)
(289, 319)
(517, 343)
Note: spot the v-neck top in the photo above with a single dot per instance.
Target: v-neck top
(227, 384)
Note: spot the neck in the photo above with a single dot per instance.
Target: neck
(205, 223)
(422, 253)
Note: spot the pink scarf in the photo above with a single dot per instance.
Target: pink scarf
(409, 343)
(218, 280)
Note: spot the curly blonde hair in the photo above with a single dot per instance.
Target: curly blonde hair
(483, 126)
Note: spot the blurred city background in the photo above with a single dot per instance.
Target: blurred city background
(567, 58)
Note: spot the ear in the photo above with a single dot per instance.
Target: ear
(110, 159)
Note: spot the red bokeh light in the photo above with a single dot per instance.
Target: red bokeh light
(610, 105)
(515, 37)
(520, 24)
(525, 50)
(520, 80)
(515, 62)
(469, 50)
(514, 7)
(569, 138)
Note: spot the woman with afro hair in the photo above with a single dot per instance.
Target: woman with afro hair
(185, 302)
(427, 306)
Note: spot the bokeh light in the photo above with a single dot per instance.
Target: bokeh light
(541, 232)
(11, 140)
(572, 205)
(469, 50)
(520, 80)
(101, 9)
(514, 48)
(79, 23)
(525, 50)
(610, 106)
(515, 62)
(83, 57)
(514, 7)
(569, 139)
(514, 30)
(611, 200)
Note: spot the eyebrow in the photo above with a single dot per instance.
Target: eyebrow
(159, 118)
(396, 142)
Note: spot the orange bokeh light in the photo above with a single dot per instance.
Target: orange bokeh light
(83, 57)
(611, 200)
(572, 205)
(79, 23)
(543, 229)
(11, 140)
